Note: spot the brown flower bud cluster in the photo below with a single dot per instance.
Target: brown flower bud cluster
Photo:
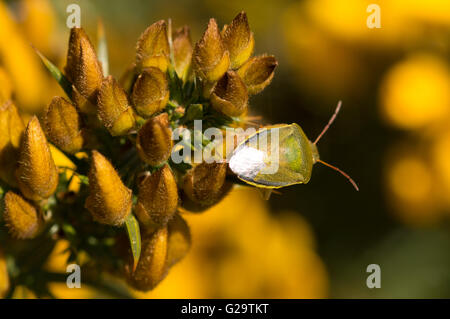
(116, 139)
(222, 60)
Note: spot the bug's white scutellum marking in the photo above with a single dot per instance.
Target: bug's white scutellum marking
(247, 162)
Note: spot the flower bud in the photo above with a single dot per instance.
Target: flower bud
(158, 198)
(211, 58)
(37, 175)
(5, 87)
(21, 217)
(152, 265)
(62, 125)
(152, 48)
(150, 92)
(4, 276)
(239, 40)
(84, 105)
(11, 130)
(230, 95)
(182, 52)
(83, 68)
(257, 73)
(109, 200)
(154, 140)
(179, 240)
(204, 184)
(113, 108)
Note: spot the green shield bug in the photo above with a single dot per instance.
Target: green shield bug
(279, 156)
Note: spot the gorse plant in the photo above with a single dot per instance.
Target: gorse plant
(116, 141)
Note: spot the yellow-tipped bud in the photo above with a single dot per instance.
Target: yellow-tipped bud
(5, 87)
(113, 108)
(211, 59)
(11, 130)
(109, 200)
(152, 266)
(62, 125)
(257, 73)
(152, 48)
(205, 183)
(150, 92)
(230, 95)
(37, 174)
(182, 52)
(84, 105)
(83, 68)
(4, 276)
(154, 140)
(158, 198)
(239, 40)
(21, 217)
(179, 240)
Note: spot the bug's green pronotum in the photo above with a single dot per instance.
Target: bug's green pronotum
(279, 156)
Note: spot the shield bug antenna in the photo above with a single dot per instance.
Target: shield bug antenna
(333, 117)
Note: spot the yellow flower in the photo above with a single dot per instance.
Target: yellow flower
(411, 187)
(36, 175)
(415, 93)
(5, 86)
(109, 200)
(22, 64)
(4, 276)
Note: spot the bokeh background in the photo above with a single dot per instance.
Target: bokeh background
(392, 136)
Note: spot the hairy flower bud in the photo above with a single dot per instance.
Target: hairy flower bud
(211, 58)
(158, 198)
(179, 240)
(152, 48)
(4, 276)
(182, 52)
(205, 183)
(11, 130)
(257, 73)
(36, 174)
(230, 95)
(152, 266)
(150, 92)
(21, 217)
(62, 125)
(239, 40)
(154, 140)
(109, 200)
(83, 68)
(113, 108)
